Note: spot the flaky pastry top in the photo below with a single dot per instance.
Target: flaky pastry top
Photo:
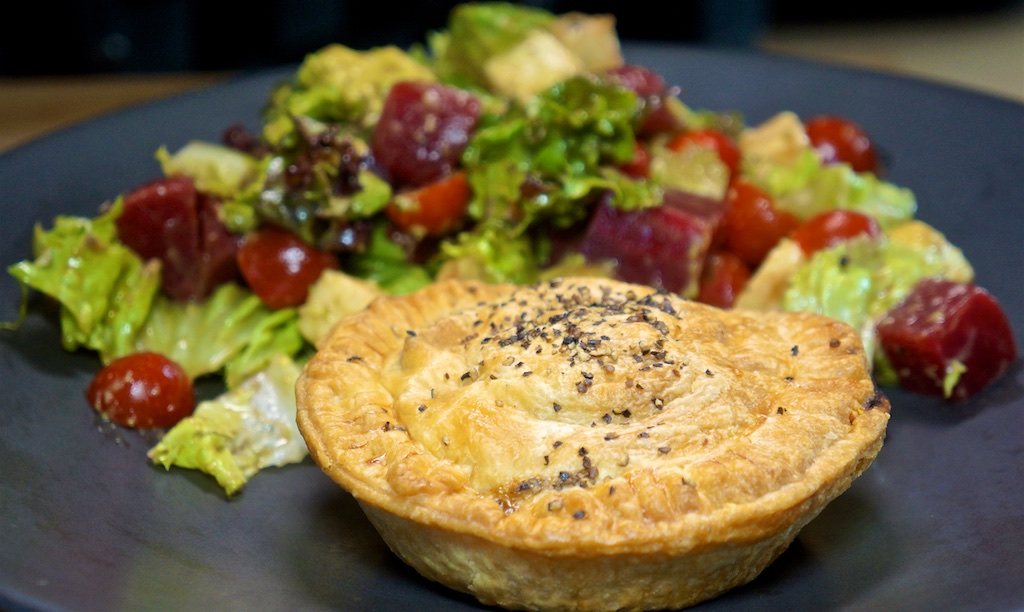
(587, 414)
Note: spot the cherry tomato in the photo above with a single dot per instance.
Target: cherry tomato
(722, 279)
(837, 139)
(710, 138)
(752, 224)
(832, 227)
(279, 267)
(640, 166)
(143, 390)
(434, 209)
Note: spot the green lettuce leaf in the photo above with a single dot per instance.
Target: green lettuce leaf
(547, 160)
(247, 429)
(372, 197)
(860, 280)
(783, 179)
(839, 186)
(314, 211)
(386, 263)
(694, 169)
(493, 253)
(105, 290)
(230, 330)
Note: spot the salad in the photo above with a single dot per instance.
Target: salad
(515, 145)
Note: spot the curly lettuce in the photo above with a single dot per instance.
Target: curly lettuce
(546, 160)
(859, 280)
(492, 253)
(778, 156)
(838, 186)
(110, 302)
(105, 290)
(387, 264)
(231, 331)
(245, 430)
(336, 192)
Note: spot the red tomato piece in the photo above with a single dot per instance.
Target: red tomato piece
(142, 390)
(727, 149)
(837, 139)
(753, 225)
(435, 209)
(947, 329)
(279, 267)
(831, 227)
(722, 279)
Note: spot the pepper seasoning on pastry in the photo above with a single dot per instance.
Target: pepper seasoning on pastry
(588, 443)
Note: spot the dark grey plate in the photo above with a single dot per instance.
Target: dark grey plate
(88, 524)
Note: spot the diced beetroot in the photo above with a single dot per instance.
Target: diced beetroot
(166, 207)
(218, 248)
(640, 79)
(663, 247)
(563, 242)
(650, 87)
(422, 131)
(169, 220)
(942, 326)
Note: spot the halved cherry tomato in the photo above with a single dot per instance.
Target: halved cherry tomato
(722, 279)
(831, 227)
(714, 139)
(837, 139)
(433, 209)
(752, 224)
(279, 267)
(640, 166)
(143, 390)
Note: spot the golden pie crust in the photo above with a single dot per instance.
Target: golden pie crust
(587, 443)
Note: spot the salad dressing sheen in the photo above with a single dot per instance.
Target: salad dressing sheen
(514, 146)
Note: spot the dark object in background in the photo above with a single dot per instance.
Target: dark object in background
(107, 36)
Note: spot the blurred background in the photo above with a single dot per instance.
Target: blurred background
(189, 43)
(102, 36)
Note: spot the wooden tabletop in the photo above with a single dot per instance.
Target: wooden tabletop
(36, 106)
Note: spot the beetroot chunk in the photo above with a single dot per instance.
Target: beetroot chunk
(943, 329)
(218, 249)
(169, 220)
(650, 87)
(663, 247)
(422, 131)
